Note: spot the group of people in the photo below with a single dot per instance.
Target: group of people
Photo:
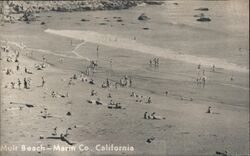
(201, 78)
(155, 61)
(139, 98)
(125, 81)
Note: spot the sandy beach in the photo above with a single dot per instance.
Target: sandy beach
(61, 52)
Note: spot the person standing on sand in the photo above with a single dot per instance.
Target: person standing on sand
(199, 66)
(166, 92)
(203, 80)
(145, 115)
(44, 59)
(203, 72)
(158, 61)
(97, 51)
(155, 62)
(232, 78)
(18, 67)
(108, 83)
(111, 62)
(25, 83)
(209, 110)
(130, 82)
(43, 81)
(213, 68)
(19, 83)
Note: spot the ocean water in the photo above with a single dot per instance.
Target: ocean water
(173, 32)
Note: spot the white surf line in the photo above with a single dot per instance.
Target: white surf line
(78, 55)
(112, 41)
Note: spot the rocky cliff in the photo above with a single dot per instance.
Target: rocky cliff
(16, 7)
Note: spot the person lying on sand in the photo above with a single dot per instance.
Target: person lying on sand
(153, 116)
(97, 102)
(26, 71)
(115, 106)
(54, 95)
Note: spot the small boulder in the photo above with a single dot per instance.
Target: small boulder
(143, 17)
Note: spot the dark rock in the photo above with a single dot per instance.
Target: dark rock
(68, 114)
(29, 15)
(154, 2)
(143, 17)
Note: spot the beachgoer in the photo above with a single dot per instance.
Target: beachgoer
(199, 66)
(153, 115)
(232, 78)
(149, 100)
(130, 82)
(70, 82)
(43, 81)
(44, 59)
(91, 82)
(203, 81)
(166, 92)
(97, 51)
(109, 95)
(12, 85)
(93, 93)
(74, 77)
(209, 109)
(145, 115)
(19, 83)
(150, 62)
(108, 83)
(18, 67)
(25, 83)
(213, 68)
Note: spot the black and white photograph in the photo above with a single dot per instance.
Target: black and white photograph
(124, 78)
